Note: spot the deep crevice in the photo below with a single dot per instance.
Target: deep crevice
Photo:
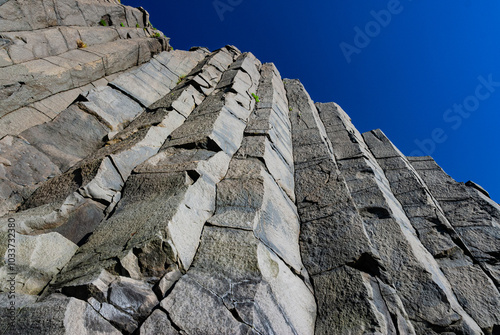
(369, 264)
(157, 292)
(235, 315)
(393, 317)
(194, 175)
(172, 323)
(78, 177)
(126, 94)
(209, 224)
(207, 144)
(375, 212)
(85, 239)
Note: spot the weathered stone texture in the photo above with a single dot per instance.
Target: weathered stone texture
(248, 259)
(26, 16)
(54, 50)
(473, 287)
(195, 192)
(470, 212)
(335, 244)
(58, 314)
(429, 300)
(177, 179)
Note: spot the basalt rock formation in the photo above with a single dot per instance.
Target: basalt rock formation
(150, 191)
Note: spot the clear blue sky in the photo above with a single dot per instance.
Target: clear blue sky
(425, 72)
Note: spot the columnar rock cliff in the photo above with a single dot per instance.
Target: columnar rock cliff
(150, 191)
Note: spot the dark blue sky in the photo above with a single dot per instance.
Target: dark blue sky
(425, 72)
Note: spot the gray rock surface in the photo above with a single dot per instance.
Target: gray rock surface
(237, 284)
(471, 213)
(428, 301)
(52, 48)
(336, 246)
(58, 314)
(157, 323)
(38, 259)
(22, 167)
(471, 283)
(112, 108)
(150, 191)
(70, 137)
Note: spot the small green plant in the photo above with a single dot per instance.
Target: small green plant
(137, 25)
(170, 48)
(121, 24)
(180, 79)
(80, 44)
(157, 35)
(255, 97)
(103, 23)
(290, 109)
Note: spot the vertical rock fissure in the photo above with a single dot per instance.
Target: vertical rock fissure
(326, 208)
(362, 169)
(394, 318)
(438, 236)
(243, 259)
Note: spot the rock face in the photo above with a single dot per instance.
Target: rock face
(151, 191)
